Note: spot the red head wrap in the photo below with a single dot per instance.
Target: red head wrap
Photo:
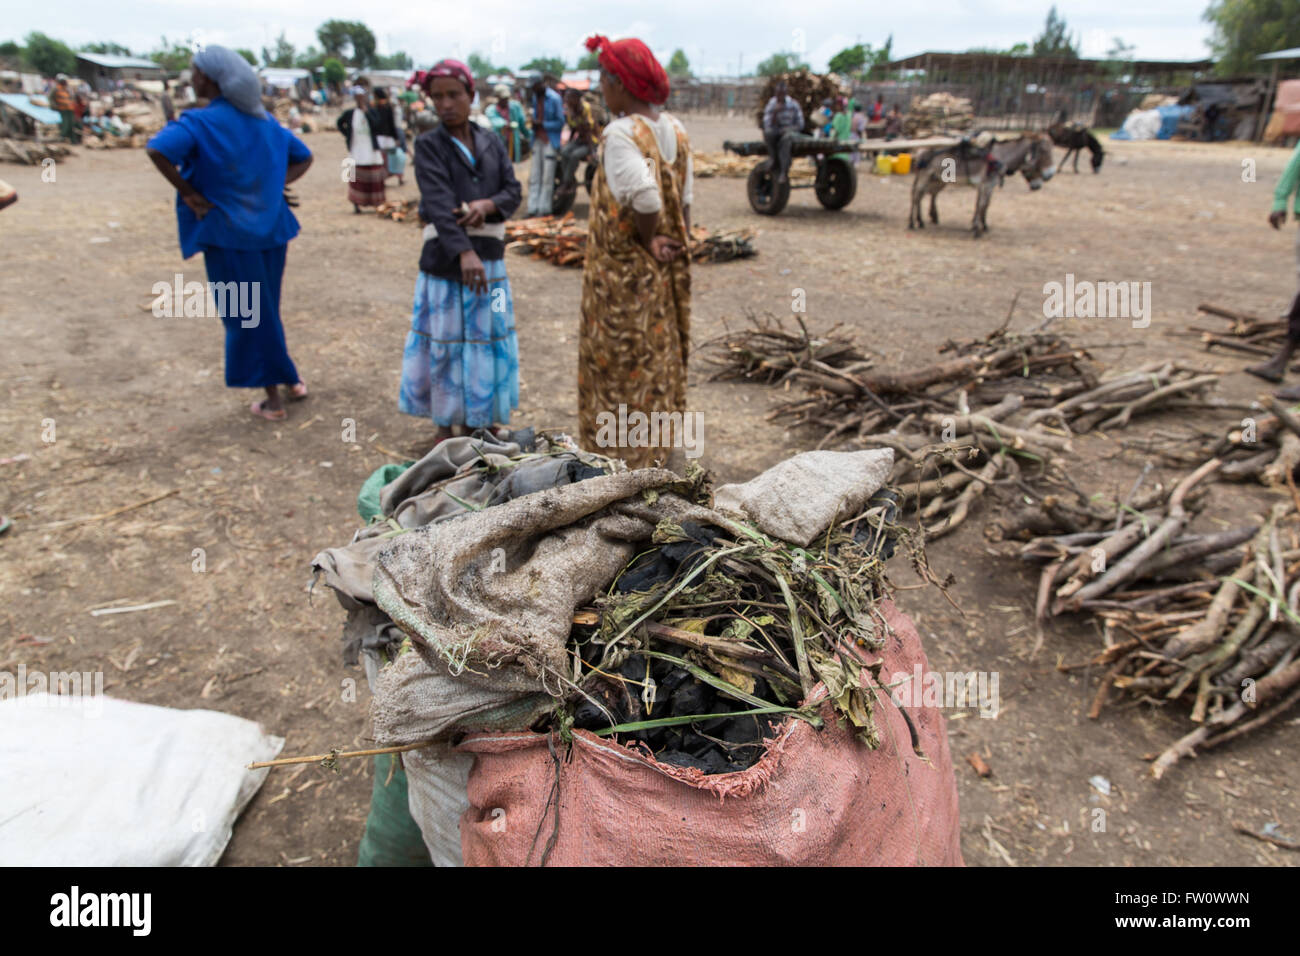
(453, 68)
(635, 66)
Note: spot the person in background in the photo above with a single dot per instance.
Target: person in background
(359, 127)
(461, 362)
(894, 123)
(582, 138)
(878, 110)
(1286, 192)
(507, 117)
(230, 162)
(390, 135)
(61, 102)
(168, 108)
(636, 282)
(548, 124)
(782, 119)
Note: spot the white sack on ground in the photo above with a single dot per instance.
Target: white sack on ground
(95, 781)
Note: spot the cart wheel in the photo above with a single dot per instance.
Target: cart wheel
(837, 184)
(767, 197)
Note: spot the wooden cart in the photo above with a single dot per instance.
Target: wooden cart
(836, 182)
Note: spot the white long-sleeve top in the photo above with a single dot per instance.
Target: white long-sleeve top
(628, 174)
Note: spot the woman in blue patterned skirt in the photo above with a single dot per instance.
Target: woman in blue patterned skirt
(461, 365)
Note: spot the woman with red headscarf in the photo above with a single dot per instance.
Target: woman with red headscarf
(636, 284)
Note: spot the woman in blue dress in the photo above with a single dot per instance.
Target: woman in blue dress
(229, 163)
(461, 364)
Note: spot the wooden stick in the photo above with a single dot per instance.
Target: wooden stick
(110, 514)
(338, 755)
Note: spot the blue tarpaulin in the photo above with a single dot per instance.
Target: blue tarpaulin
(1159, 123)
(23, 104)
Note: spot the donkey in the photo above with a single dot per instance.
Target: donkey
(1074, 137)
(969, 164)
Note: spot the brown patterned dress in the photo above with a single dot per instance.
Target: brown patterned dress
(636, 311)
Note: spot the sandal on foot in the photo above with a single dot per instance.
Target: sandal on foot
(270, 414)
(297, 392)
(1290, 394)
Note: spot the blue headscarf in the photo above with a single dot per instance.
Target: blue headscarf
(231, 72)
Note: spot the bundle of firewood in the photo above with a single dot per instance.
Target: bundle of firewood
(563, 241)
(400, 210)
(809, 90)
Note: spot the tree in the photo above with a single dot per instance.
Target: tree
(850, 60)
(481, 66)
(678, 65)
(280, 55)
(172, 56)
(781, 63)
(49, 56)
(1055, 38)
(335, 73)
(248, 55)
(309, 59)
(1243, 29)
(11, 50)
(391, 61)
(544, 64)
(113, 48)
(347, 40)
(589, 61)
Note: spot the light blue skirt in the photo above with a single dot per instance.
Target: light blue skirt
(461, 364)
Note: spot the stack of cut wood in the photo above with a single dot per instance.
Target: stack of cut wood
(563, 241)
(145, 118)
(809, 90)
(400, 210)
(937, 113)
(30, 152)
(706, 165)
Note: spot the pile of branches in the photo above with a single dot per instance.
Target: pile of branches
(1206, 618)
(809, 90)
(1262, 447)
(1001, 409)
(30, 152)
(1244, 333)
(563, 241)
(706, 641)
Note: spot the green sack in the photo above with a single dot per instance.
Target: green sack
(392, 837)
(368, 496)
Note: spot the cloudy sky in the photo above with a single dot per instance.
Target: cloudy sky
(718, 36)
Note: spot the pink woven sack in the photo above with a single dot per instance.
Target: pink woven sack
(815, 798)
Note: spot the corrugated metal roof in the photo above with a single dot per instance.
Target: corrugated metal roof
(23, 104)
(114, 62)
(1292, 54)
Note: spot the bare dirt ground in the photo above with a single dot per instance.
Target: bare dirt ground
(139, 410)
